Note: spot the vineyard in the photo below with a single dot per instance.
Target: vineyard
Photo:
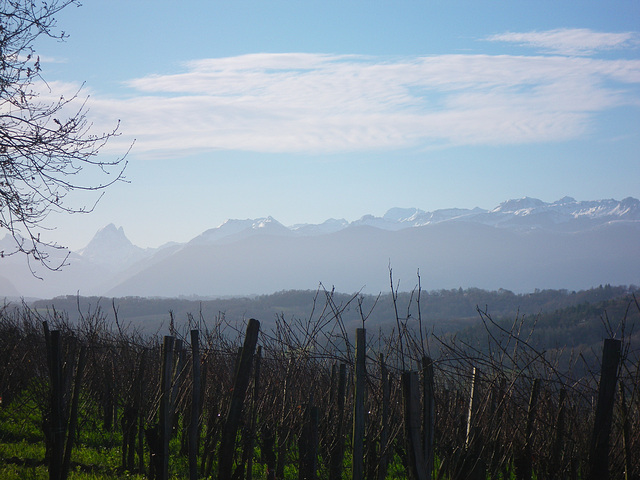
(222, 398)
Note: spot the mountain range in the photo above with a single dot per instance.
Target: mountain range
(520, 245)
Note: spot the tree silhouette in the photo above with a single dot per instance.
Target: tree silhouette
(46, 148)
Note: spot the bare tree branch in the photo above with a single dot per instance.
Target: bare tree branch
(45, 147)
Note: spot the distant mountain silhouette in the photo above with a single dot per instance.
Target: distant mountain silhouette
(520, 245)
(449, 255)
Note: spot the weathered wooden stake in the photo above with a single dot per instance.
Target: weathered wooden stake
(73, 415)
(129, 428)
(138, 423)
(473, 465)
(108, 403)
(141, 442)
(524, 467)
(495, 446)
(211, 438)
(415, 451)
(57, 421)
(242, 378)
(384, 430)
(203, 391)
(358, 407)
(626, 435)
(337, 445)
(178, 373)
(428, 414)
(473, 400)
(268, 437)
(558, 441)
(308, 445)
(284, 430)
(599, 450)
(195, 406)
(164, 426)
(254, 413)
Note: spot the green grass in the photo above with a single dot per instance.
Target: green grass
(97, 454)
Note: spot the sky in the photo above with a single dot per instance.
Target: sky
(310, 110)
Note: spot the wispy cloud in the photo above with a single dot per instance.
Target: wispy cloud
(301, 102)
(32, 59)
(571, 41)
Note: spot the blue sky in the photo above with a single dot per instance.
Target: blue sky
(308, 110)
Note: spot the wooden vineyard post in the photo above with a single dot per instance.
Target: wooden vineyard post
(139, 396)
(268, 449)
(241, 382)
(308, 445)
(129, 426)
(626, 435)
(415, 452)
(336, 455)
(384, 430)
(250, 441)
(471, 412)
(166, 374)
(558, 441)
(178, 374)
(496, 444)
(358, 407)
(473, 462)
(524, 468)
(57, 424)
(107, 402)
(599, 450)
(131, 423)
(60, 430)
(428, 414)
(195, 406)
(73, 414)
(206, 447)
(284, 430)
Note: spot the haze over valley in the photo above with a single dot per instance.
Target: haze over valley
(521, 245)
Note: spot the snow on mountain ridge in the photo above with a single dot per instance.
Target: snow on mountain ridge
(611, 227)
(524, 213)
(398, 214)
(448, 214)
(568, 208)
(267, 222)
(627, 206)
(331, 225)
(520, 206)
(235, 229)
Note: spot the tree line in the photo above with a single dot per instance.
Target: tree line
(443, 310)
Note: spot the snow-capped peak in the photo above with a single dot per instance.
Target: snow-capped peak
(627, 206)
(519, 206)
(331, 225)
(402, 214)
(266, 223)
(234, 228)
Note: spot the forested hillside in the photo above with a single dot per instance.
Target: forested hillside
(441, 311)
(572, 335)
